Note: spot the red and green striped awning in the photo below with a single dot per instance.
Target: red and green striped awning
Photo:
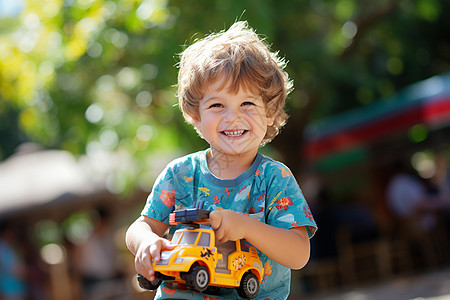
(426, 102)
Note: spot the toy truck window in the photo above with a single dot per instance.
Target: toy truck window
(176, 237)
(225, 249)
(204, 239)
(188, 238)
(244, 246)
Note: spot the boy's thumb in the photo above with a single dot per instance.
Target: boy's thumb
(215, 218)
(168, 245)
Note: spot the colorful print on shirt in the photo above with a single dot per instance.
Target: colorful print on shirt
(267, 191)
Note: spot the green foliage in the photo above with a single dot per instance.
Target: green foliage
(100, 74)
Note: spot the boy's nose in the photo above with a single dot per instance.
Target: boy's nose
(232, 115)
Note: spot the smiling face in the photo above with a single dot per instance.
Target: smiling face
(234, 124)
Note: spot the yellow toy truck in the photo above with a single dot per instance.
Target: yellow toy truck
(204, 265)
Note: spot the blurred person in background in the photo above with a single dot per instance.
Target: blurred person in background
(439, 187)
(412, 200)
(13, 284)
(406, 195)
(96, 261)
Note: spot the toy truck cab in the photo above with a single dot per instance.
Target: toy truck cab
(201, 263)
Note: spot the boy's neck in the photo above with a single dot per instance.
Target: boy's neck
(229, 167)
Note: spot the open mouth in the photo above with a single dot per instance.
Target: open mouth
(234, 133)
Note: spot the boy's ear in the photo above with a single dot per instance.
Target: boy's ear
(196, 122)
(270, 121)
(197, 125)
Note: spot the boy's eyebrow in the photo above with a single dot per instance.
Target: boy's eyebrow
(245, 96)
(211, 98)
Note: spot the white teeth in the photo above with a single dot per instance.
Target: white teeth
(233, 133)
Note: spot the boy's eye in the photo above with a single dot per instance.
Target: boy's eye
(247, 103)
(215, 105)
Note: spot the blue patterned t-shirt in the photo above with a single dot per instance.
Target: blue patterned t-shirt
(267, 191)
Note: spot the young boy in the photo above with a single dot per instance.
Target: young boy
(232, 89)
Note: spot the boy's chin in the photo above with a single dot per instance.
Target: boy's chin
(235, 151)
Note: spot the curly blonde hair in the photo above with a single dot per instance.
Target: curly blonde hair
(246, 62)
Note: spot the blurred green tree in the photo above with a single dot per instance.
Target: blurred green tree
(99, 75)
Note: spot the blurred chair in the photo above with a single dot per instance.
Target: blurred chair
(362, 261)
(320, 275)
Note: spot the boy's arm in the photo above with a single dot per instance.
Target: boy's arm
(144, 240)
(288, 247)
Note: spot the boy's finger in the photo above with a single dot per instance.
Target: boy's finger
(167, 245)
(155, 252)
(145, 268)
(215, 218)
(151, 274)
(220, 234)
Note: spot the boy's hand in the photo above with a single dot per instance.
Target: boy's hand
(148, 253)
(228, 225)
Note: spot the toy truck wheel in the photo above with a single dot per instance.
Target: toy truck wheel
(249, 287)
(147, 284)
(197, 278)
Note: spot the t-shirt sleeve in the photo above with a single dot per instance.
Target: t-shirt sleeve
(161, 201)
(287, 207)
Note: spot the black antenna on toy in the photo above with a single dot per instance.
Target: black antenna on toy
(199, 204)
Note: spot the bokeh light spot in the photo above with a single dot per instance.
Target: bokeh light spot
(94, 113)
(418, 133)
